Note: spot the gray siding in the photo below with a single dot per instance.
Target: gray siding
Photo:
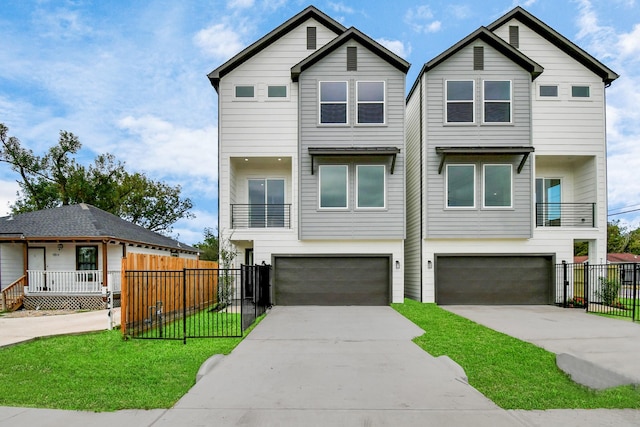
(351, 223)
(413, 242)
(487, 223)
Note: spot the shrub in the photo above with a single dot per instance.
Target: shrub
(608, 291)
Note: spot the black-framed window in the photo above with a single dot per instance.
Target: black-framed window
(333, 102)
(86, 257)
(370, 102)
(497, 101)
(460, 101)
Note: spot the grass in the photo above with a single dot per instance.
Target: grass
(512, 373)
(102, 372)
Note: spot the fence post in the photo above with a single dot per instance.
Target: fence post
(586, 285)
(565, 282)
(635, 292)
(184, 306)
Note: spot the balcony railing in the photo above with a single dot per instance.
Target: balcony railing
(261, 216)
(69, 282)
(565, 215)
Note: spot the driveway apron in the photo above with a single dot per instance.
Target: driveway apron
(333, 366)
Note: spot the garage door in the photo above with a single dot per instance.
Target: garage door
(345, 280)
(496, 280)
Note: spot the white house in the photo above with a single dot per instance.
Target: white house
(65, 256)
(312, 163)
(507, 165)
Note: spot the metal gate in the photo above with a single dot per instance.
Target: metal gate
(194, 303)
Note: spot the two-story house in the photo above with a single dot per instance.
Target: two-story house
(506, 165)
(311, 162)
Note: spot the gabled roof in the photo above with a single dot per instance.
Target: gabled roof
(273, 36)
(558, 40)
(81, 222)
(492, 40)
(351, 34)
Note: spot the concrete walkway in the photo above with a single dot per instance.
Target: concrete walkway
(596, 351)
(320, 366)
(14, 330)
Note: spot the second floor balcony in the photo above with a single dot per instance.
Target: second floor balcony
(260, 216)
(565, 215)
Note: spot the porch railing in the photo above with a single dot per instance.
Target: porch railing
(261, 216)
(69, 282)
(11, 297)
(565, 214)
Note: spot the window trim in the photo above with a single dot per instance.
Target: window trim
(484, 186)
(346, 102)
(333, 208)
(580, 98)
(277, 98)
(384, 102)
(484, 102)
(446, 187)
(245, 98)
(548, 98)
(472, 101)
(384, 188)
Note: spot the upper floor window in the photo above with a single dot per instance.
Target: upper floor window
(279, 91)
(460, 101)
(580, 92)
(497, 186)
(333, 102)
(497, 101)
(461, 186)
(371, 186)
(370, 102)
(333, 186)
(548, 91)
(245, 91)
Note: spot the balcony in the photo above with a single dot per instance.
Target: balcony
(574, 215)
(260, 216)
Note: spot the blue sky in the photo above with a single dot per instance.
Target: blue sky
(129, 77)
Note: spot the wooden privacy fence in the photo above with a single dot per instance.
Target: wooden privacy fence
(170, 291)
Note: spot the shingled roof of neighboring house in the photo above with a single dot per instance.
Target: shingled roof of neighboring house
(612, 258)
(82, 222)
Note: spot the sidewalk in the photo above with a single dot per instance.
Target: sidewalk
(14, 330)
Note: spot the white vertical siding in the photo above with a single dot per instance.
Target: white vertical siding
(11, 263)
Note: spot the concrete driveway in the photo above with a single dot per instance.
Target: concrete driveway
(596, 351)
(333, 366)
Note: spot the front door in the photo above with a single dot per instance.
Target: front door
(37, 266)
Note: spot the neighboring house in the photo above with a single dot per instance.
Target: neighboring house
(69, 253)
(506, 165)
(312, 162)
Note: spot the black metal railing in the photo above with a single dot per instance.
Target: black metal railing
(565, 214)
(611, 289)
(194, 303)
(261, 216)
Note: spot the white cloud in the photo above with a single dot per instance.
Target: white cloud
(165, 148)
(629, 44)
(219, 41)
(421, 20)
(340, 8)
(191, 231)
(8, 190)
(61, 24)
(240, 4)
(396, 46)
(460, 11)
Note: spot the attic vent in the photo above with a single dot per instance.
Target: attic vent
(352, 58)
(478, 57)
(514, 36)
(311, 38)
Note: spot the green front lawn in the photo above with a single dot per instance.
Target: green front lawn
(102, 372)
(512, 373)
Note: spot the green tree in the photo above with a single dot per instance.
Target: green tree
(56, 179)
(616, 237)
(209, 246)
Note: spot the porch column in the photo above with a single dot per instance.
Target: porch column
(25, 262)
(105, 267)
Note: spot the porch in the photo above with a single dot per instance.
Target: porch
(78, 282)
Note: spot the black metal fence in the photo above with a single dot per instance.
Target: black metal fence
(602, 288)
(194, 303)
